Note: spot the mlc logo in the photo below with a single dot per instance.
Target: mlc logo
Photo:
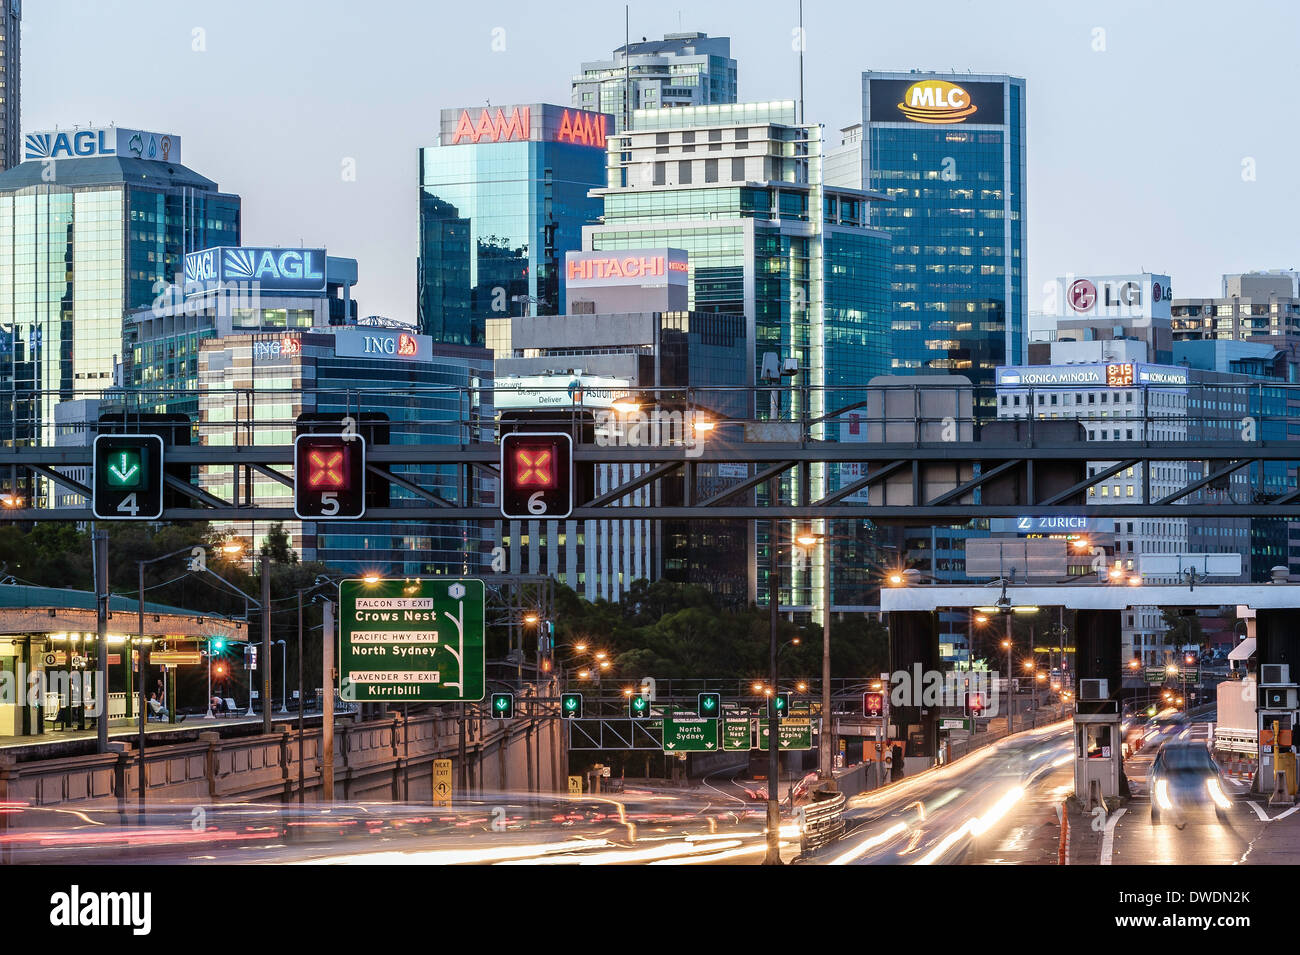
(936, 101)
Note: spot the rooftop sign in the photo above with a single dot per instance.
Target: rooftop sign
(98, 142)
(536, 122)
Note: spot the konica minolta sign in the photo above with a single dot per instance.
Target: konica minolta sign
(285, 270)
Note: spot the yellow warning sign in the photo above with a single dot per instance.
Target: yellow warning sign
(442, 782)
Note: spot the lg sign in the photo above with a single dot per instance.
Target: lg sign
(1082, 295)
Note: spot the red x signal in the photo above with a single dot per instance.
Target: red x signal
(535, 467)
(326, 469)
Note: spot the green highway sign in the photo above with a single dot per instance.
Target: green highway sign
(737, 733)
(1156, 675)
(417, 641)
(690, 734)
(953, 723)
(791, 734)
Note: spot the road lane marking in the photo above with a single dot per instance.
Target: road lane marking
(1108, 839)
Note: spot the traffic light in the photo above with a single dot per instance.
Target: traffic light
(536, 475)
(217, 645)
(975, 703)
(329, 476)
(709, 704)
(873, 704)
(781, 701)
(638, 707)
(219, 669)
(128, 477)
(571, 706)
(503, 706)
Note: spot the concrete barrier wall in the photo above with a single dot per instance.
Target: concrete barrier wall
(381, 759)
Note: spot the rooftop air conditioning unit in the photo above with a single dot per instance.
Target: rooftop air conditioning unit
(1094, 689)
(1274, 674)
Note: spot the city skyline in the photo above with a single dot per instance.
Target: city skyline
(1089, 136)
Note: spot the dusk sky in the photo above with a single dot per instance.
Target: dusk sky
(1160, 136)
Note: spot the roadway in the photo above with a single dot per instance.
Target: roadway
(987, 806)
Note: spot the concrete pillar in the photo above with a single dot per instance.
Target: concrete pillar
(914, 648)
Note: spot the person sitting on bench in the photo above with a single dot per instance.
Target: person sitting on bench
(156, 709)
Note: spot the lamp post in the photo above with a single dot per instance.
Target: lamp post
(143, 702)
(284, 675)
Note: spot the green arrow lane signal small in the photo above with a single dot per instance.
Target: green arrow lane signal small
(503, 706)
(571, 705)
(709, 704)
(638, 707)
(124, 469)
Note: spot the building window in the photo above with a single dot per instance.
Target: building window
(659, 179)
(684, 172)
(710, 170)
(738, 169)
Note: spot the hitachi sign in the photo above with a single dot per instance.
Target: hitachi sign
(620, 268)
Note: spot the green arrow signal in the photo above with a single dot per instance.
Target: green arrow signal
(124, 468)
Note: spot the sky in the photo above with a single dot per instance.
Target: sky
(1161, 135)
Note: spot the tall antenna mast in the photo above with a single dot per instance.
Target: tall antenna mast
(803, 42)
(627, 66)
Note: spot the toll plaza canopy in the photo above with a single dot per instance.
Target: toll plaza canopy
(921, 597)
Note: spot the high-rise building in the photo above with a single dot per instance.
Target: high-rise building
(1259, 307)
(254, 385)
(503, 196)
(627, 339)
(682, 69)
(11, 81)
(93, 224)
(740, 188)
(226, 291)
(949, 150)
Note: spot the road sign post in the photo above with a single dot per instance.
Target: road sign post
(442, 785)
(411, 641)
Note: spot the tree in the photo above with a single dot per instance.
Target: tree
(1182, 629)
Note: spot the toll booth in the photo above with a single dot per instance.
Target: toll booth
(1098, 749)
(1277, 655)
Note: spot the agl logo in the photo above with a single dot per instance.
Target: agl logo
(936, 101)
(87, 142)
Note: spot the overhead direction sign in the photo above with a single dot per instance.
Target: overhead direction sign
(790, 734)
(411, 641)
(688, 733)
(737, 733)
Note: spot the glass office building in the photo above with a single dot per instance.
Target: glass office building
(740, 188)
(682, 69)
(81, 250)
(503, 196)
(949, 150)
(11, 22)
(423, 391)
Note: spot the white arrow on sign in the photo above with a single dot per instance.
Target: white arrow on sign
(670, 745)
(121, 475)
(708, 746)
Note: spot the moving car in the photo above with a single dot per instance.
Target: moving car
(1184, 781)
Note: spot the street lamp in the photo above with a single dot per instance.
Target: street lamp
(284, 675)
